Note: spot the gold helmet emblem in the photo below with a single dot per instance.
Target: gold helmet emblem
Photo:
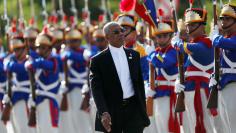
(195, 15)
(16, 43)
(127, 20)
(164, 27)
(228, 10)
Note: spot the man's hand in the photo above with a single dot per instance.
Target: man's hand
(106, 121)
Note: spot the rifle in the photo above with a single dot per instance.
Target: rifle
(7, 106)
(180, 105)
(86, 95)
(213, 98)
(151, 81)
(152, 86)
(64, 102)
(44, 12)
(32, 114)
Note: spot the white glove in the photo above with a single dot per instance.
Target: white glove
(175, 39)
(212, 82)
(214, 32)
(85, 88)
(178, 87)
(149, 92)
(31, 102)
(63, 88)
(6, 99)
(28, 63)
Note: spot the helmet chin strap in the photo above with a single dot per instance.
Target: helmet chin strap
(195, 29)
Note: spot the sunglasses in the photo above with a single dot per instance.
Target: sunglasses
(117, 32)
(163, 35)
(226, 18)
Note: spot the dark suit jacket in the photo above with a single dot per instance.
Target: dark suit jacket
(106, 86)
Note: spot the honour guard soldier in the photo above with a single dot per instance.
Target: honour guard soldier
(20, 80)
(77, 77)
(128, 22)
(198, 70)
(47, 80)
(165, 62)
(227, 83)
(2, 87)
(30, 35)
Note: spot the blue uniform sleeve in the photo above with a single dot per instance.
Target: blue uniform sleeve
(15, 67)
(194, 48)
(225, 43)
(164, 60)
(48, 65)
(78, 57)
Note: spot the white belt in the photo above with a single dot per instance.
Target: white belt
(228, 61)
(75, 80)
(22, 83)
(47, 94)
(168, 77)
(2, 85)
(78, 75)
(200, 66)
(48, 87)
(228, 70)
(20, 89)
(197, 73)
(1, 91)
(167, 83)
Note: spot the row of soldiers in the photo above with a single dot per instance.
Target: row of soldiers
(60, 67)
(54, 65)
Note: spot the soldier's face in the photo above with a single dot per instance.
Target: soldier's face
(44, 50)
(163, 39)
(20, 53)
(227, 22)
(100, 42)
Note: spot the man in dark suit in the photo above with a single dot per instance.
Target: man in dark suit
(117, 86)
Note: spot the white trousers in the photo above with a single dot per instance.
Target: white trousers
(189, 117)
(227, 107)
(161, 110)
(20, 118)
(44, 124)
(81, 121)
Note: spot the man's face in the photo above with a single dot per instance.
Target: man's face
(115, 36)
(20, 53)
(227, 22)
(74, 43)
(130, 34)
(163, 39)
(44, 50)
(57, 44)
(100, 42)
(194, 29)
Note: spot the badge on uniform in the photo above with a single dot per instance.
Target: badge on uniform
(130, 56)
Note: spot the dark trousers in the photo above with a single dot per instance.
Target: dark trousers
(129, 119)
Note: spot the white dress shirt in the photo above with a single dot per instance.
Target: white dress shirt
(122, 68)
